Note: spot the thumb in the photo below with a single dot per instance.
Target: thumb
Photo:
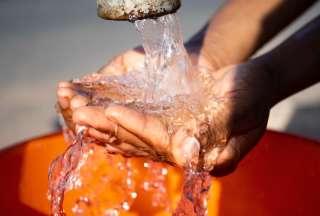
(147, 127)
(185, 149)
(236, 149)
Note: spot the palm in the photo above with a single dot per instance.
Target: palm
(131, 133)
(242, 112)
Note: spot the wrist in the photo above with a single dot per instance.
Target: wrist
(210, 57)
(272, 78)
(210, 52)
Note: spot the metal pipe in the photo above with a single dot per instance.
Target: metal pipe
(135, 9)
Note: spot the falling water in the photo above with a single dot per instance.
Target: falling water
(167, 63)
(193, 201)
(167, 86)
(63, 172)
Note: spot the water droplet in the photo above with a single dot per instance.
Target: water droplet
(146, 165)
(111, 212)
(164, 171)
(126, 206)
(134, 195)
(129, 182)
(146, 185)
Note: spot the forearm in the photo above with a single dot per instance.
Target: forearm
(241, 27)
(295, 64)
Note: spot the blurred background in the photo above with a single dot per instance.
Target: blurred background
(42, 42)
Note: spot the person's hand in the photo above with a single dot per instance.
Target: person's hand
(70, 97)
(146, 135)
(239, 120)
(245, 98)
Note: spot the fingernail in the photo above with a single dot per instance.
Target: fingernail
(190, 150)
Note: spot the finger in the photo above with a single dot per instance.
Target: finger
(227, 161)
(64, 84)
(113, 150)
(65, 94)
(102, 137)
(78, 101)
(104, 140)
(112, 69)
(131, 151)
(133, 59)
(146, 127)
(185, 149)
(128, 61)
(95, 117)
(237, 148)
(117, 148)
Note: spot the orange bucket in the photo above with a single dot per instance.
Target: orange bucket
(281, 176)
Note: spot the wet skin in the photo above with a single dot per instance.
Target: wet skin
(240, 118)
(249, 88)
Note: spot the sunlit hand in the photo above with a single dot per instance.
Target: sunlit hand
(239, 120)
(242, 112)
(123, 130)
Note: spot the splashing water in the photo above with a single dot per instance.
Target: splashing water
(194, 196)
(155, 182)
(166, 86)
(63, 173)
(70, 171)
(167, 63)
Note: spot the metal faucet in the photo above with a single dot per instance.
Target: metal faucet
(135, 9)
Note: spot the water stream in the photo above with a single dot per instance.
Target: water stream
(167, 86)
(194, 197)
(63, 172)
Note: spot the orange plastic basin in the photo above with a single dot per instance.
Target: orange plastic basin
(281, 176)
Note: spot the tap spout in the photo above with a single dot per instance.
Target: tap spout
(135, 9)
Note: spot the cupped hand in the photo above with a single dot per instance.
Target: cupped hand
(245, 96)
(239, 119)
(123, 130)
